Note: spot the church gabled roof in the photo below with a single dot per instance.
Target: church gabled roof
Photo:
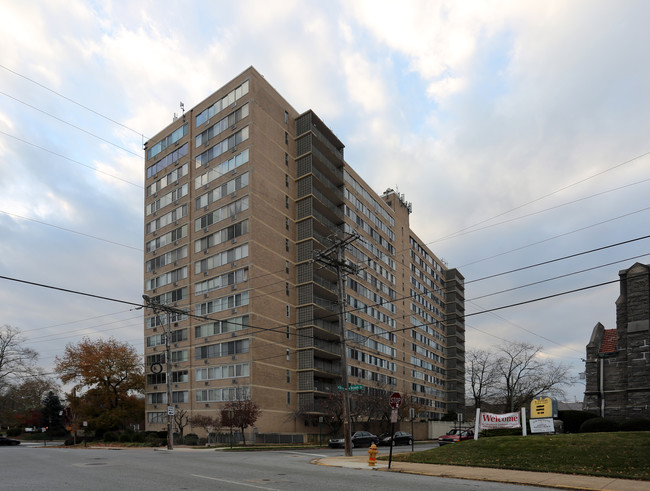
(609, 342)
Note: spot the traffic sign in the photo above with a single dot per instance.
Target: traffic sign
(170, 410)
(395, 400)
(340, 387)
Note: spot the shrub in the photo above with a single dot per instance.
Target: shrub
(597, 425)
(14, 431)
(501, 432)
(126, 438)
(110, 436)
(203, 441)
(191, 439)
(138, 437)
(573, 419)
(638, 424)
(153, 440)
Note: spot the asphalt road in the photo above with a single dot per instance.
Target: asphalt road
(51, 468)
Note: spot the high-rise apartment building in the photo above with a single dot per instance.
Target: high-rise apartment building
(241, 193)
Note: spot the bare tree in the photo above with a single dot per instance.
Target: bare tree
(372, 405)
(181, 420)
(410, 400)
(16, 361)
(332, 410)
(524, 374)
(240, 414)
(208, 423)
(481, 374)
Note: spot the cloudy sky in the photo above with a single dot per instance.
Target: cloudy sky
(518, 130)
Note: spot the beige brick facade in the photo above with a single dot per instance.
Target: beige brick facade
(232, 219)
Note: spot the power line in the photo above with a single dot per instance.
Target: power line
(560, 259)
(542, 197)
(72, 231)
(559, 277)
(551, 208)
(66, 290)
(556, 236)
(71, 125)
(285, 325)
(72, 160)
(539, 299)
(527, 330)
(74, 322)
(74, 102)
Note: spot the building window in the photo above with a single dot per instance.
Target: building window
(288, 376)
(286, 159)
(288, 314)
(288, 354)
(286, 244)
(286, 288)
(286, 202)
(288, 332)
(286, 180)
(286, 138)
(157, 417)
(286, 223)
(288, 397)
(286, 117)
(286, 266)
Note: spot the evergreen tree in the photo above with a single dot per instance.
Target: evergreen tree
(52, 413)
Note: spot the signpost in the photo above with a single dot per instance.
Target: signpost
(412, 416)
(395, 402)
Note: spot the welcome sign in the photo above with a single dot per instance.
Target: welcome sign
(490, 421)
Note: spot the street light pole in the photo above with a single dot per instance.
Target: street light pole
(156, 307)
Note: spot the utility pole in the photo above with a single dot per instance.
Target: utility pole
(157, 307)
(334, 257)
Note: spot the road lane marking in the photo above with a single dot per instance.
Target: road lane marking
(234, 482)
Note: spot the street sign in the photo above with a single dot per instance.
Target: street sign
(170, 410)
(350, 387)
(395, 400)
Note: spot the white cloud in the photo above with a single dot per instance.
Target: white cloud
(469, 108)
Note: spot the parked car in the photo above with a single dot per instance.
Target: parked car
(456, 435)
(8, 441)
(359, 439)
(400, 438)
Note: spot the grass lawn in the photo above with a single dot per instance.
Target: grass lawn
(623, 455)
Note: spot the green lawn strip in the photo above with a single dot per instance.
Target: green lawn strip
(623, 455)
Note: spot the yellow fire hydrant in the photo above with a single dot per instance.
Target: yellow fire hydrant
(372, 455)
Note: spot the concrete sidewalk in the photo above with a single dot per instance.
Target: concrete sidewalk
(546, 479)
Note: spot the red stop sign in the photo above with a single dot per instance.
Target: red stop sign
(395, 400)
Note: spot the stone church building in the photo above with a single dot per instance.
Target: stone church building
(618, 360)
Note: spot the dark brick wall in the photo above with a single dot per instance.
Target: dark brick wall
(626, 372)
